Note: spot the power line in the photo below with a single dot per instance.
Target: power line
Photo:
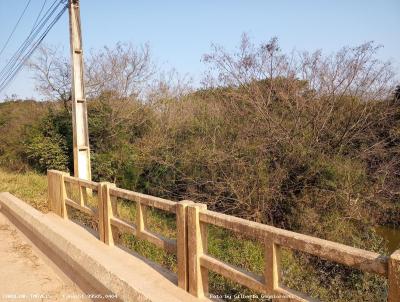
(40, 12)
(14, 62)
(15, 27)
(31, 36)
(15, 67)
(10, 76)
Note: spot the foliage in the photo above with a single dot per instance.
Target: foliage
(15, 116)
(29, 186)
(47, 144)
(307, 142)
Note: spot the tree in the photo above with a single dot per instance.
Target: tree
(52, 74)
(123, 70)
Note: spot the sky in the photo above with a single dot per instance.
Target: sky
(180, 32)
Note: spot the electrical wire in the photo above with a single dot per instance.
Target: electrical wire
(9, 77)
(15, 27)
(40, 12)
(32, 35)
(29, 44)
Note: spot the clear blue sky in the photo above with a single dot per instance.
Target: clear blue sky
(180, 32)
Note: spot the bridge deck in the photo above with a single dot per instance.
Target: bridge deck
(98, 269)
(26, 274)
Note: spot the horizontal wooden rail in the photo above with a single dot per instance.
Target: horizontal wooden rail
(231, 272)
(166, 244)
(148, 200)
(190, 247)
(81, 182)
(273, 239)
(123, 225)
(361, 259)
(84, 209)
(107, 217)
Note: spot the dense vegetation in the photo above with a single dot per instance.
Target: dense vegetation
(308, 144)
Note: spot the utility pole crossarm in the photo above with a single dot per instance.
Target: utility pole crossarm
(79, 107)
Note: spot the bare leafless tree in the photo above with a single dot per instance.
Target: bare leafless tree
(52, 74)
(123, 69)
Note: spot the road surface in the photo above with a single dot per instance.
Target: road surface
(26, 274)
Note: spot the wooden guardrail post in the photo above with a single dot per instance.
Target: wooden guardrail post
(204, 242)
(105, 213)
(56, 192)
(100, 205)
(114, 200)
(182, 243)
(197, 246)
(141, 218)
(394, 277)
(84, 194)
(272, 271)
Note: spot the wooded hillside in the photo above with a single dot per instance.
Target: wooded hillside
(311, 145)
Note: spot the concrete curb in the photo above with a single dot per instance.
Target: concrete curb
(108, 269)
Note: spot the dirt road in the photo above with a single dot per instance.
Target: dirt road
(25, 275)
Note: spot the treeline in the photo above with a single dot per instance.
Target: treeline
(308, 143)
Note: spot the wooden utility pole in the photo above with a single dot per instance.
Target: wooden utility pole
(79, 106)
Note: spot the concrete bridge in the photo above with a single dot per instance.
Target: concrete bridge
(47, 257)
(27, 273)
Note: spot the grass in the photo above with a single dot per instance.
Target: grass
(30, 187)
(318, 278)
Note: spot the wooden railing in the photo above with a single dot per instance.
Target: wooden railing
(190, 246)
(105, 214)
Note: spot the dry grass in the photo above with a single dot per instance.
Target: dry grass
(30, 187)
(300, 272)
